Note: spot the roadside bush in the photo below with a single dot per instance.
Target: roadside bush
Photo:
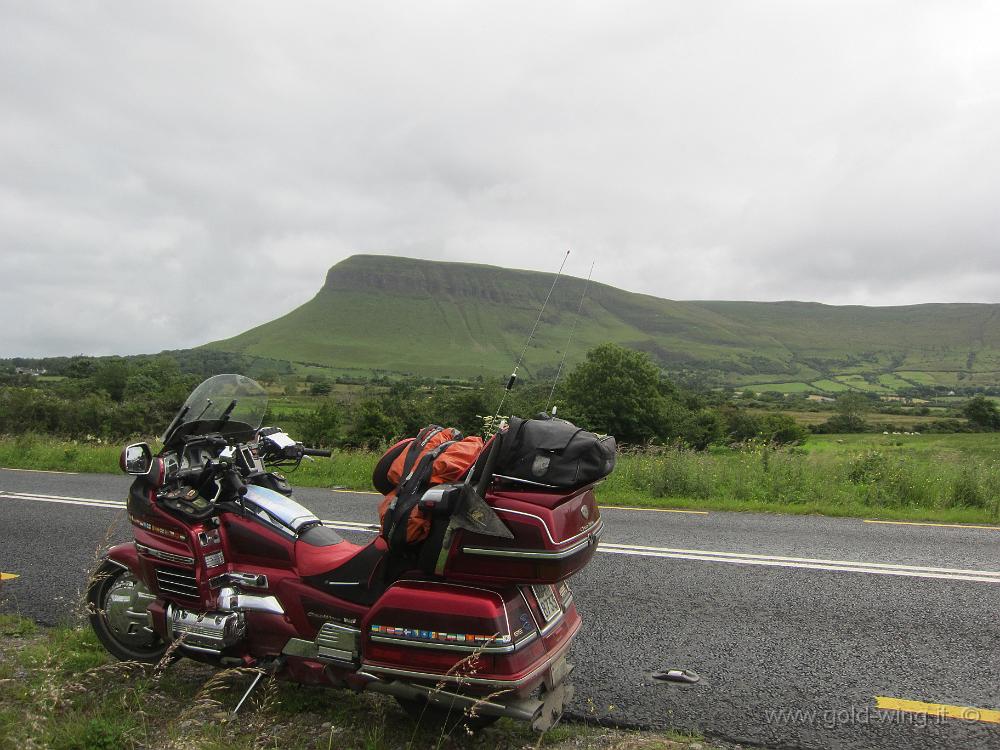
(867, 467)
(320, 427)
(682, 474)
(781, 429)
(967, 491)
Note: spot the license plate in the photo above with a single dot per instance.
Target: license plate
(547, 602)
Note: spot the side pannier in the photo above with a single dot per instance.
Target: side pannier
(554, 453)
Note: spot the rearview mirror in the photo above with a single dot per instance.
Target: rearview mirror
(136, 459)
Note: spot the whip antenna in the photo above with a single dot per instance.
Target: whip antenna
(569, 341)
(513, 376)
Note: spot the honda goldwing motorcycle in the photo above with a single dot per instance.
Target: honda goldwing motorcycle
(228, 568)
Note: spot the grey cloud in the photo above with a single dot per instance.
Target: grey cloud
(176, 173)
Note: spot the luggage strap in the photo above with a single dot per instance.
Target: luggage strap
(408, 495)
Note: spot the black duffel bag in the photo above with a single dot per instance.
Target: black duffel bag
(554, 452)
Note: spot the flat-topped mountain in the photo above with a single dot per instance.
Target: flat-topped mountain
(433, 318)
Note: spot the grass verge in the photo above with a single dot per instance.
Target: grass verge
(60, 690)
(942, 478)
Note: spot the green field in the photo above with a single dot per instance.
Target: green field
(858, 382)
(893, 382)
(952, 478)
(810, 418)
(831, 386)
(780, 388)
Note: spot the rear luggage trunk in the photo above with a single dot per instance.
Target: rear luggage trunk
(555, 534)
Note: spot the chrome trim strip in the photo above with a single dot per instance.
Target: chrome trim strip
(447, 646)
(525, 481)
(525, 553)
(200, 649)
(160, 554)
(513, 684)
(535, 554)
(589, 530)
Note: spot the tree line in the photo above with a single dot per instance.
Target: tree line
(615, 391)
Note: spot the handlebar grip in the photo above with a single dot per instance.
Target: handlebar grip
(235, 482)
(239, 484)
(316, 452)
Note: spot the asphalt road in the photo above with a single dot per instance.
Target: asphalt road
(798, 626)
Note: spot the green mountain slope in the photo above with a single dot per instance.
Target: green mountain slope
(459, 319)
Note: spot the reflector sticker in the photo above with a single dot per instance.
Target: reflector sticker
(156, 529)
(433, 635)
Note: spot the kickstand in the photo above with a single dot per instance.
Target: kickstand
(246, 695)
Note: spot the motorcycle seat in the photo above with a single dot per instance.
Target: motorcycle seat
(320, 550)
(348, 571)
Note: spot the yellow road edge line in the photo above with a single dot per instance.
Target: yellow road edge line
(928, 523)
(939, 710)
(8, 576)
(654, 510)
(358, 492)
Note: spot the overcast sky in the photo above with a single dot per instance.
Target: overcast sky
(173, 173)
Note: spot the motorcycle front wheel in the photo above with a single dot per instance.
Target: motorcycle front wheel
(117, 602)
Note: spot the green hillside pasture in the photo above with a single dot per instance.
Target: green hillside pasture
(949, 478)
(779, 388)
(831, 386)
(931, 377)
(920, 378)
(893, 382)
(808, 418)
(951, 448)
(858, 382)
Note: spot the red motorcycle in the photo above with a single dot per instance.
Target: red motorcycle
(227, 568)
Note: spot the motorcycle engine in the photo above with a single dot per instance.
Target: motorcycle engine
(205, 631)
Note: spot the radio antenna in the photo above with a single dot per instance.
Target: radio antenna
(513, 376)
(569, 341)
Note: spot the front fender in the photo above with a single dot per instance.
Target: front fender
(124, 555)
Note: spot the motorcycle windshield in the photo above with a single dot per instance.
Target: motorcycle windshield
(230, 405)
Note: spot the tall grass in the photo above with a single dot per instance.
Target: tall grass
(759, 477)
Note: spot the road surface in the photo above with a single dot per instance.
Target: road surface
(806, 631)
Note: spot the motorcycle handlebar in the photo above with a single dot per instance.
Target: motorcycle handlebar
(316, 452)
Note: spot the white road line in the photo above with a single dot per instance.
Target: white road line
(91, 502)
(972, 575)
(634, 550)
(40, 471)
(854, 563)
